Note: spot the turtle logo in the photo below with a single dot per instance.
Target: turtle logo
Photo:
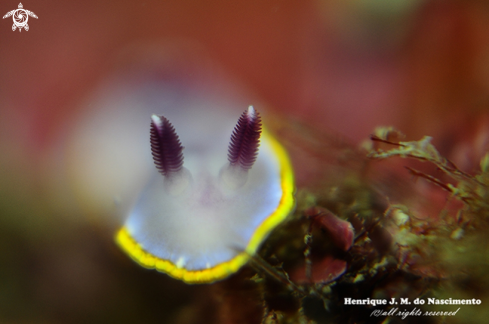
(20, 17)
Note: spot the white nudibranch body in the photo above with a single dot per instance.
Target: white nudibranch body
(213, 201)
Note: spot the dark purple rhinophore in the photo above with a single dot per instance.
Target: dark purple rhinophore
(245, 140)
(165, 146)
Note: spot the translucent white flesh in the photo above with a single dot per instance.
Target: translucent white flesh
(209, 223)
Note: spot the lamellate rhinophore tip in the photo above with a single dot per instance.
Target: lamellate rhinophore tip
(165, 146)
(245, 140)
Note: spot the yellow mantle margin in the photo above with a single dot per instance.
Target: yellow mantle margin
(222, 270)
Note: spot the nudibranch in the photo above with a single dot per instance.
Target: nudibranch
(212, 201)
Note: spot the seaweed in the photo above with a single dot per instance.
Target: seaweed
(360, 236)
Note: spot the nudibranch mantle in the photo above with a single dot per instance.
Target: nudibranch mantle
(209, 230)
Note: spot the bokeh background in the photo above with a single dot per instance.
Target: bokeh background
(341, 67)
